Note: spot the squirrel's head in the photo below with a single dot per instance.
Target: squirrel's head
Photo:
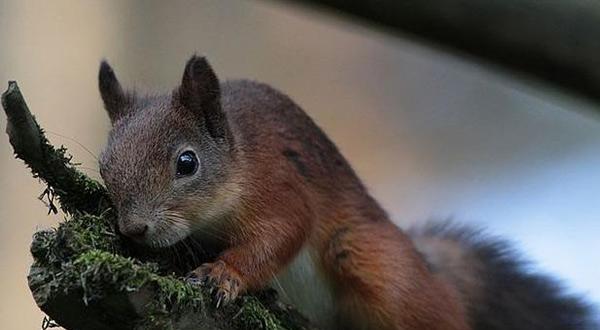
(167, 161)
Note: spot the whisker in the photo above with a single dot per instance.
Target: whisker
(280, 287)
(177, 219)
(193, 255)
(74, 141)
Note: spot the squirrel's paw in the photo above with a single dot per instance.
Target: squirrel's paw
(220, 277)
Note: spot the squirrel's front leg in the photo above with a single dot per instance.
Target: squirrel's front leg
(253, 260)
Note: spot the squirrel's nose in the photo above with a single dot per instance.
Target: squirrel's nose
(135, 230)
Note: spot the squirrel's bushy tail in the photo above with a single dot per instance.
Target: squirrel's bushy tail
(499, 290)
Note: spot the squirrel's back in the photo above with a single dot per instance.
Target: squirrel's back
(265, 118)
(277, 137)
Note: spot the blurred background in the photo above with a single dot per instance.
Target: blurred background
(433, 135)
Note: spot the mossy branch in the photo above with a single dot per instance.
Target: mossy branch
(75, 191)
(86, 276)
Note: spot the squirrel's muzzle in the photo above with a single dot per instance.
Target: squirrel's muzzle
(133, 229)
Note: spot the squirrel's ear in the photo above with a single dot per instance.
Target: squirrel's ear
(200, 93)
(116, 101)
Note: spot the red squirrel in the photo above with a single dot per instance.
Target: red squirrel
(239, 163)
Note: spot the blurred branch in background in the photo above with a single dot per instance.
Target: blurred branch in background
(555, 41)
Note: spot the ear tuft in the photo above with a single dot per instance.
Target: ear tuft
(199, 85)
(200, 94)
(115, 99)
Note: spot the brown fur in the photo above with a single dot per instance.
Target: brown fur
(276, 185)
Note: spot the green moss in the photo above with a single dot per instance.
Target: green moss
(95, 275)
(75, 236)
(253, 315)
(86, 232)
(173, 298)
(42, 244)
(100, 272)
(76, 192)
(174, 292)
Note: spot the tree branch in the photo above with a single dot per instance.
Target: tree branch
(555, 41)
(75, 191)
(86, 276)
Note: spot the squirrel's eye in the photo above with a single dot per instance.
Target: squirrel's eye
(187, 163)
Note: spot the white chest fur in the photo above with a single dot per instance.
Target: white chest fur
(303, 285)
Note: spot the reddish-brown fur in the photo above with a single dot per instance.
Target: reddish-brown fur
(294, 190)
(380, 280)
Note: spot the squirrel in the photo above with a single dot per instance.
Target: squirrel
(240, 165)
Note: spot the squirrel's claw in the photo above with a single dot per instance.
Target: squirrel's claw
(192, 279)
(220, 277)
(219, 297)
